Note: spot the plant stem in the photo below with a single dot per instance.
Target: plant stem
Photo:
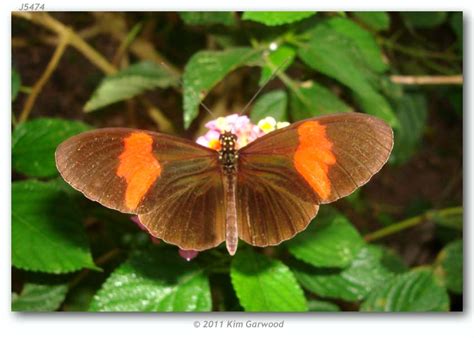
(427, 80)
(111, 22)
(157, 116)
(46, 20)
(421, 53)
(38, 86)
(126, 43)
(75, 40)
(411, 222)
(25, 89)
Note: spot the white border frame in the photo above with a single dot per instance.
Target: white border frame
(310, 324)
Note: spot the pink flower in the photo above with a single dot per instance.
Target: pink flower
(210, 140)
(241, 126)
(188, 254)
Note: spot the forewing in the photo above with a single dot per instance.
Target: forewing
(162, 178)
(284, 175)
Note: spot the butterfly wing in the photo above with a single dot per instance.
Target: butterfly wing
(285, 175)
(174, 185)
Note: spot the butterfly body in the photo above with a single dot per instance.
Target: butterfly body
(228, 154)
(197, 197)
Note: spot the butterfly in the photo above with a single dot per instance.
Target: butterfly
(196, 197)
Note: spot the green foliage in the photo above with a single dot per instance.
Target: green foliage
(276, 18)
(39, 298)
(312, 99)
(456, 23)
(354, 283)
(16, 83)
(391, 260)
(47, 231)
(155, 280)
(450, 218)
(360, 39)
(34, 143)
(265, 284)
(273, 104)
(412, 114)
(279, 59)
(449, 266)
(378, 21)
(335, 51)
(208, 18)
(205, 69)
(322, 306)
(330, 241)
(413, 291)
(424, 19)
(130, 82)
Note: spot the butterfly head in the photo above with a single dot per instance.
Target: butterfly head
(228, 154)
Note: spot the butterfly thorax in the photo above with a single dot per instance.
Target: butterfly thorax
(228, 154)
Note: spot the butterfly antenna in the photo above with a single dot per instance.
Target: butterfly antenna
(263, 86)
(167, 68)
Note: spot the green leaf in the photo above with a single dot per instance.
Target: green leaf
(128, 83)
(273, 104)
(413, 291)
(424, 19)
(265, 284)
(362, 40)
(391, 260)
(207, 68)
(208, 18)
(354, 283)
(16, 83)
(329, 241)
(338, 56)
(449, 266)
(155, 280)
(34, 144)
(322, 306)
(39, 298)
(456, 23)
(283, 56)
(378, 21)
(276, 18)
(375, 104)
(311, 99)
(47, 232)
(412, 114)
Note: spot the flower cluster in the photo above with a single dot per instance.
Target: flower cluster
(246, 132)
(241, 126)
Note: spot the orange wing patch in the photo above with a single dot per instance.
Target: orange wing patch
(314, 156)
(138, 166)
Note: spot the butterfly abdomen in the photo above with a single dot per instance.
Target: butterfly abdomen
(228, 157)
